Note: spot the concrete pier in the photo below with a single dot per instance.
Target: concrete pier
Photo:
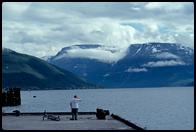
(86, 121)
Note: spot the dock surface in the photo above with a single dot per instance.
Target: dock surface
(84, 122)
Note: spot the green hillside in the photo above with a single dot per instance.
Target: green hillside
(28, 72)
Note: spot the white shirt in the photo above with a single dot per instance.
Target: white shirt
(75, 103)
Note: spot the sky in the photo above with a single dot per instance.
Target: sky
(44, 28)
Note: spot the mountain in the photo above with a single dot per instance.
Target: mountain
(143, 65)
(31, 73)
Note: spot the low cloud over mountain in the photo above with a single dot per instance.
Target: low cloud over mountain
(142, 65)
(42, 29)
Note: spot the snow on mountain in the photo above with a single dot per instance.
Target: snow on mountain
(140, 65)
(138, 50)
(154, 50)
(187, 50)
(112, 54)
(107, 54)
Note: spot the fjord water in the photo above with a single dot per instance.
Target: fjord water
(154, 108)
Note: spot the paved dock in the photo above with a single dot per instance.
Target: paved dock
(84, 122)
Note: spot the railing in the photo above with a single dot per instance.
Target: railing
(128, 123)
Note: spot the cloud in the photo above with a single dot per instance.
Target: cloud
(14, 7)
(166, 55)
(163, 63)
(136, 69)
(28, 26)
(101, 54)
(166, 6)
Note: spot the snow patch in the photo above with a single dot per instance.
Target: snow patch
(155, 50)
(138, 50)
(106, 75)
(182, 47)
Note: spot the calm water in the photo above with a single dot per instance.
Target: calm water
(153, 108)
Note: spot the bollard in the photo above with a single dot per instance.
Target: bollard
(101, 114)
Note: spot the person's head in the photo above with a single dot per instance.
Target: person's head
(75, 96)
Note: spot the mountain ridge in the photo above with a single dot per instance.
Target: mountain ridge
(166, 63)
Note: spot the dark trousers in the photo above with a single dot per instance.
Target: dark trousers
(74, 113)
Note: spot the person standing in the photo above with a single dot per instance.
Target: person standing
(74, 104)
